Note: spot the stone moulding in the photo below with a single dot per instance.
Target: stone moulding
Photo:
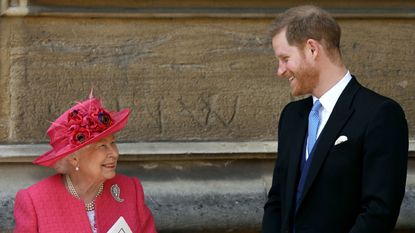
(167, 150)
(157, 150)
(200, 9)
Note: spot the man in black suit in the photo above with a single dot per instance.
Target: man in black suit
(341, 167)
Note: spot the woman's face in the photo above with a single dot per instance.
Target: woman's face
(98, 161)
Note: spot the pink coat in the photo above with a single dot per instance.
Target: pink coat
(47, 206)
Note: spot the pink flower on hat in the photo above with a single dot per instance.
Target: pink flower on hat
(84, 124)
(79, 135)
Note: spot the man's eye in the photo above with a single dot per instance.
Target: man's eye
(282, 60)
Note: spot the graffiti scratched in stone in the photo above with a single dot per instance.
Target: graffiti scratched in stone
(208, 110)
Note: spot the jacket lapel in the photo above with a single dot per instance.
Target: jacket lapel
(340, 115)
(296, 147)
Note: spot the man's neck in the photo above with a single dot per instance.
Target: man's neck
(329, 76)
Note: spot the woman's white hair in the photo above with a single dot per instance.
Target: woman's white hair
(64, 166)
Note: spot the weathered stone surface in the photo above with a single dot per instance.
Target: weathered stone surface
(4, 81)
(380, 54)
(196, 80)
(185, 79)
(223, 3)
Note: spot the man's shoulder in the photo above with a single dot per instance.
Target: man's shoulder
(365, 97)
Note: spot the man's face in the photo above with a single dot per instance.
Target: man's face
(295, 66)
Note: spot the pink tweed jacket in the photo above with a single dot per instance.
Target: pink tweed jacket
(48, 207)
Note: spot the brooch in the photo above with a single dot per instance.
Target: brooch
(115, 191)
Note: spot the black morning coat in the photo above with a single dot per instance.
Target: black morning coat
(356, 186)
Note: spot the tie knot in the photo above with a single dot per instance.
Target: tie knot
(316, 106)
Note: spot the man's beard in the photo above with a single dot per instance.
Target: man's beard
(306, 80)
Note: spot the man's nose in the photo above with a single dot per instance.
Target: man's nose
(281, 70)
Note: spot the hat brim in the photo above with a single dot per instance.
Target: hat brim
(52, 156)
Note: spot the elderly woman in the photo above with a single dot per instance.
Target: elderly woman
(86, 195)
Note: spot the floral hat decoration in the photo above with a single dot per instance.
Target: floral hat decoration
(85, 123)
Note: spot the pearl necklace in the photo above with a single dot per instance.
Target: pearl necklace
(89, 206)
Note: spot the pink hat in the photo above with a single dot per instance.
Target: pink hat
(85, 123)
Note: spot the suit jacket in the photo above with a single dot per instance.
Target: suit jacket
(47, 206)
(355, 186)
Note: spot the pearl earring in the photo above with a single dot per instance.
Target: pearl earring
(77, 168)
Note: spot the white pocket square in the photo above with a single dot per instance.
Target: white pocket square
(341, 139)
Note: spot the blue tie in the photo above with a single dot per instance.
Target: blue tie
(313, 123)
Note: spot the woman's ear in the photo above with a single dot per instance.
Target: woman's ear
(73, 159)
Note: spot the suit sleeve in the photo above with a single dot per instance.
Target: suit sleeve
(271, 222)
(24, 213)
(145, 218)
(385, 157)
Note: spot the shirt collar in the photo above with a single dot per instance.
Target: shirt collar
(329, 99)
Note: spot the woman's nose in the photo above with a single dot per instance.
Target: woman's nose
(113, 151)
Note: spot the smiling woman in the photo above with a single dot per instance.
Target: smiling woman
(98, 160)
(86, 195)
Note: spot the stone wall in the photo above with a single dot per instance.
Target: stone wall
(198, 75)
(185, 79)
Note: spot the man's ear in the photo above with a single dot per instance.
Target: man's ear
(312, 47)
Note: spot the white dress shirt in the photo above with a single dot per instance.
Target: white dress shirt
(328, 101)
